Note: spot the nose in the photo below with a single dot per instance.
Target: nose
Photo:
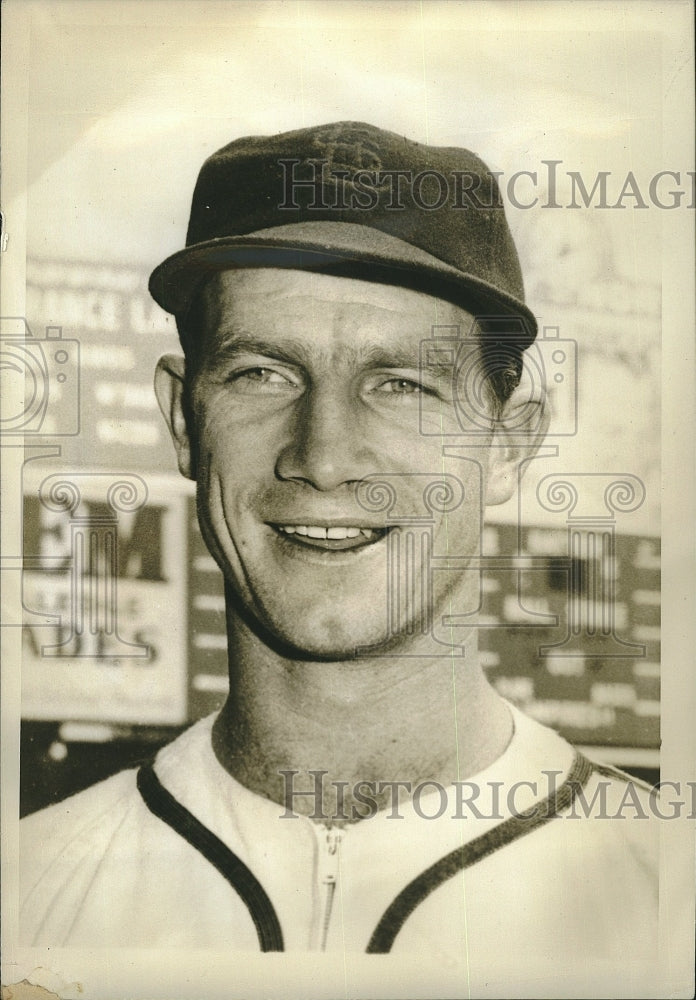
(327, 447)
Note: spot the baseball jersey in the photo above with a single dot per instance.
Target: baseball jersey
(558, 873)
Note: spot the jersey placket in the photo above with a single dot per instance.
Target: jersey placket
(327, 881)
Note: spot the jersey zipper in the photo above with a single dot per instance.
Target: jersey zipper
(329, 838)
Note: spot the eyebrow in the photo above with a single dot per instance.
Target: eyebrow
(290, 351)
(295, 353)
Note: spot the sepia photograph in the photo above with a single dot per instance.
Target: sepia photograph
(346, 428)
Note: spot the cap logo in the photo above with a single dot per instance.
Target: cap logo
(346, 152)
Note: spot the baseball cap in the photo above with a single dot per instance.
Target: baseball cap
(351, 199)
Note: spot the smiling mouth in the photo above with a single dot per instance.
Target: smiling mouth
(338, 538)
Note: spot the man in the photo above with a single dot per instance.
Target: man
(352, 397)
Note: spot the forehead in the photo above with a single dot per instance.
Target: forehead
(323, 308)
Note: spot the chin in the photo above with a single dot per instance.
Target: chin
(334, 641)
(328, 637)
(315, 630)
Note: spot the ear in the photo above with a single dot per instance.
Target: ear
(517, 435)
(169, 389)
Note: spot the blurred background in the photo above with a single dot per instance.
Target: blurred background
(125, 101)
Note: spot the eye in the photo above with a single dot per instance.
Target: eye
(267, 375)
(262, 379)
(399, 387)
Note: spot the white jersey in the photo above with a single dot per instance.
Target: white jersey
(206, 863)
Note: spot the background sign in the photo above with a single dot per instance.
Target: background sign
(104, 596)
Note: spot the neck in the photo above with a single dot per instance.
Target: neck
(376, 719)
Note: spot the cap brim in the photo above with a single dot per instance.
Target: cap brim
(339, 248)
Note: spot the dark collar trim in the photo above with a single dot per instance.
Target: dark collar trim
(163, 804)
(467, 855)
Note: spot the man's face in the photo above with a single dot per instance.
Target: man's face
(310, 391)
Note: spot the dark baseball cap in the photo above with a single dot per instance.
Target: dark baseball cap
(354, 200)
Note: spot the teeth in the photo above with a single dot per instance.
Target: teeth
(342, 532)
(315, 531)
